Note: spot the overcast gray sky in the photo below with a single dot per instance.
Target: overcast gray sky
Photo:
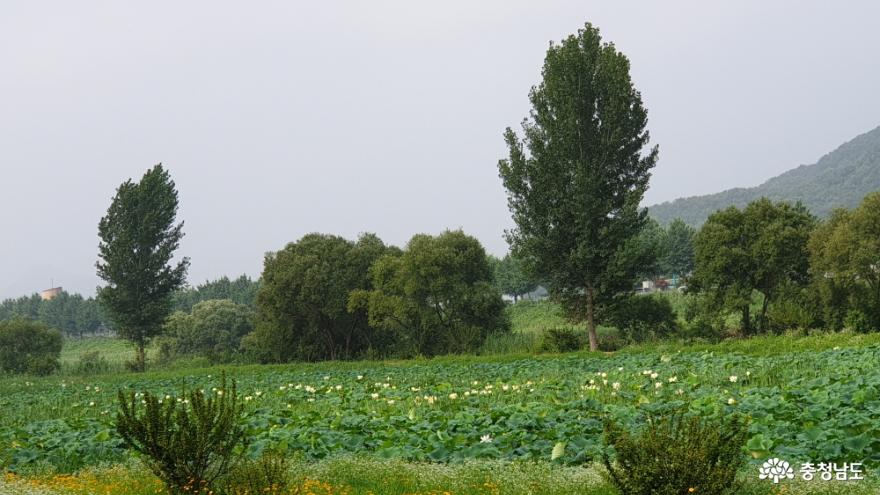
(281, 118)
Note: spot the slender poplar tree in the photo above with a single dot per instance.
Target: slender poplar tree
(576, 178)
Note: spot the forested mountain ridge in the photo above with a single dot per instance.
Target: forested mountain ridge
(839, 179)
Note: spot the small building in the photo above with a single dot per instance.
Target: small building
(50, 294)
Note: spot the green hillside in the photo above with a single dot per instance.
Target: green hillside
(839, 179)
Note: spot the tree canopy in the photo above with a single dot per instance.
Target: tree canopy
(759, 248)
(302, 304)
(138, 240)
(435, 297)
(576, 178)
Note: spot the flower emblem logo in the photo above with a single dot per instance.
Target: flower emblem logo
(776, 469)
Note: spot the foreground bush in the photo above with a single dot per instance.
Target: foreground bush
(268, 474)
(29, 347)
(188, 443)
(676, 455)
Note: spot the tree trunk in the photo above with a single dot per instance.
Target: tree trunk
(763, 324)
(591, 323)
(140, 360)
(746, 323)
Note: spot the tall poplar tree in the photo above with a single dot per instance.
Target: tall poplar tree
(576, 178)
(138, 240)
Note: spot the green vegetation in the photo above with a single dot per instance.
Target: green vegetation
(436, 297)
(188, 443)
(512, 276)
(761, 248)
(29, 347)
(138, 240)
(583, 142)
(504, 408)
(302, 306)
(213, 329)
(71, 314)
(241, 290)
(676, 455)
(839, 179)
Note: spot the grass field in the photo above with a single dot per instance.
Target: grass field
(421, 423)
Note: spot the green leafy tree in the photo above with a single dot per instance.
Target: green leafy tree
(678, 249)
(213, 329)
(512, 276)
(762, 248)
(845, 261)
(138, 240)
(575, 180)
(436, 297)
(302, 303)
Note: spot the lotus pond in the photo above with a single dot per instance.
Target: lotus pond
(808, 405)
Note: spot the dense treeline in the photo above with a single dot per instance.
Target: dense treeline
(801, 272)
(72, 314)
(241, 290)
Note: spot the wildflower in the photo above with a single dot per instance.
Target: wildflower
(731, 401)
(679, 391)
(453, 396)
(654, 376)
(326, 378)
(672, 379)
(615, 385)
(658, 384)
(390, 402)
(374, 395)
(360, 377)
(733, 378)
(339, 387)
(486, 438)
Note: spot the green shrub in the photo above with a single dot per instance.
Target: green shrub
(858, 321)
(92, 363)
(511, 343)
(563, 339)
(29, 347)
(676, 455)
(643, 317)
(268, 474)
(213, 329)
(610, 339)
(188, 443)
